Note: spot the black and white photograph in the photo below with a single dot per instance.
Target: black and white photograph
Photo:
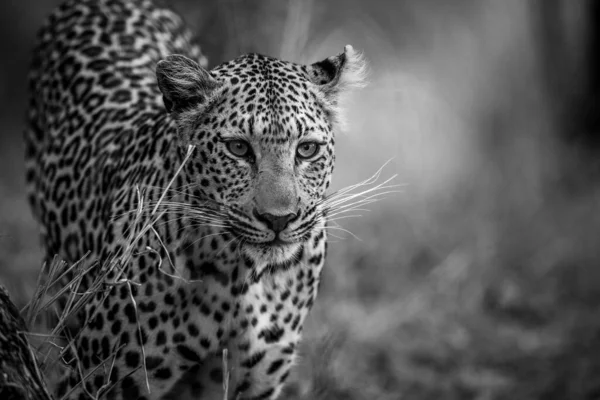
(299, 200)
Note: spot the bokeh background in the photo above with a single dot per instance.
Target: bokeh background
(481, 279)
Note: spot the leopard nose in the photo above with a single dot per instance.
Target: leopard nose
(276, 223)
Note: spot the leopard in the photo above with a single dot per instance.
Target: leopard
(192, 200)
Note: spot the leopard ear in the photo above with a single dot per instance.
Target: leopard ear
(336, 75)
(184, 83)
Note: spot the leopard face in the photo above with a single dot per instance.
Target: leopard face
(264, 128)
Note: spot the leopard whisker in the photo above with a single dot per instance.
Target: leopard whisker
(201, 225)
(339, 228)
(177, 206)
(172, 208)
(373, 191)
(195, 223)
(180, 191)
(207, 220)
(373, 196)
(335, 236)
(201, 213)
(345, 217)
(206, 215)
(369, 181)
(339, 212)
(347, 204)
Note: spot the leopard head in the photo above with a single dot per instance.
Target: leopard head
(263, 130)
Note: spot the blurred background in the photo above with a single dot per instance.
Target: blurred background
(481, 279)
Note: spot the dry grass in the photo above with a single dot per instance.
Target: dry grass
(65, 281)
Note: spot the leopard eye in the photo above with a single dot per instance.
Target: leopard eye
(239, 148)
(307, 150)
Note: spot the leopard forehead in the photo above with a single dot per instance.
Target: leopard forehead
(268, 98)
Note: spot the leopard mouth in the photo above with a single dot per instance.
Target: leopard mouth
(273, 256)
(278, 242)
(269, 250)
(274, 246)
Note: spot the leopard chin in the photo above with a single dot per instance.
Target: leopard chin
(271, 258)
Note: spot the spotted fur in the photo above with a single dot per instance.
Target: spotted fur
(127, 129)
